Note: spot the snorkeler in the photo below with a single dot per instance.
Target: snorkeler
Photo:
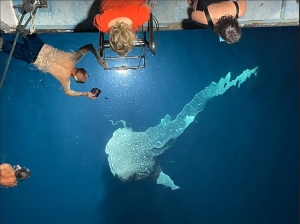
(220, 16)
(9, 175)
(58, 63)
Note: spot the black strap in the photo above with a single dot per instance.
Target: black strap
(237, 9)
(208, 18)
(209, 22)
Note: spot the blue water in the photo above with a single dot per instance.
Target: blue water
(237, 163)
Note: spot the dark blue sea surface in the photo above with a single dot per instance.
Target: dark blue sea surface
(238, 162)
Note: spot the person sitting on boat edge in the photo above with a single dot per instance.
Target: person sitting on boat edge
(121, 18)
(220, 16)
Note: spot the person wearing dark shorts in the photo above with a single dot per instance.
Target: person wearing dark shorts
(28, 51)
(58, 63)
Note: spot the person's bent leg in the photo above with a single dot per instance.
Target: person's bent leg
(33, 45)
(19, 50)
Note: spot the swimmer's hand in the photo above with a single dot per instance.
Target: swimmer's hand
(102, 63)
(91, 96)
(94, 93)
(90, 47)
(14, 184)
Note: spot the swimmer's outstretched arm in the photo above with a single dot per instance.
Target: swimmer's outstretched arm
(85, 49)
(68, 91)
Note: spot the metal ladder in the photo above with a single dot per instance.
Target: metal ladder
(142, 43)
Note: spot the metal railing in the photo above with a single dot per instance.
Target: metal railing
(139, 43)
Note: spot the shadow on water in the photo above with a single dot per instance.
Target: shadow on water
(88, 22)
(140, 202)
(189, 24)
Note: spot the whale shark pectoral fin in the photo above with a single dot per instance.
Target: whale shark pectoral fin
(165, 180)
